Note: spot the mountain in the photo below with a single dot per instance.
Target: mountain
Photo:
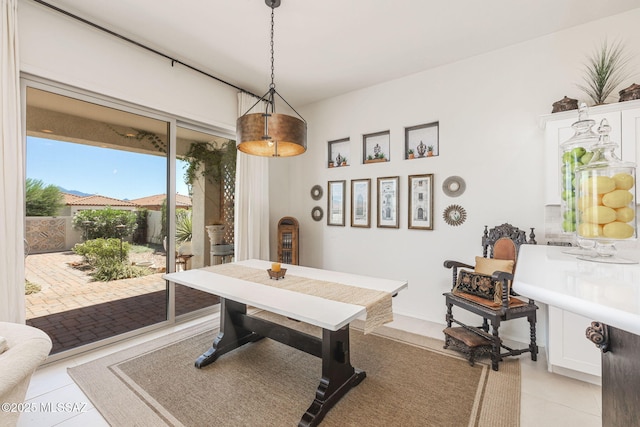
(74, 192)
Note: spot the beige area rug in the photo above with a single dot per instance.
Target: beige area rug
(410, 381)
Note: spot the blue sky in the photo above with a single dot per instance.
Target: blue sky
(94, 170)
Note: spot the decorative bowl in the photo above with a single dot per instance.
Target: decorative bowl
(277, 275)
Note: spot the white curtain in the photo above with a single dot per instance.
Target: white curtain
(12, 305)
(251, 197)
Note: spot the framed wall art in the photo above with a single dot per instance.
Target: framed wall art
(335, 203)
(388, 199)
(339, 152)
(422, 141)
(421, 202)
(361, 203)
(376, 147)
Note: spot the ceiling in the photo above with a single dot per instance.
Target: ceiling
(331, 47)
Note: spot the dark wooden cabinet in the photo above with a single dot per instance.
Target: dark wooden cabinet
(288, 241)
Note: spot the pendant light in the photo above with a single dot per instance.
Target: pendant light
(269, 133)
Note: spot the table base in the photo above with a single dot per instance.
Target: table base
(338, 375)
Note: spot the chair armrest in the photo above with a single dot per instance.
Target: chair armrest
(454, 265)
(450, 264)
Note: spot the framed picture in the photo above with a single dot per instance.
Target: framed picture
(388, 202)
(335, 203)
(361, 203)
(421, 141)
(421, 202)
(375, 147)
(339, 153)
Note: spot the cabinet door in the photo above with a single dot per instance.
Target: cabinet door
(631, 135)
(568, 346)
(557, 132)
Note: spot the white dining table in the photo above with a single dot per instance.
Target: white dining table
(237, 328)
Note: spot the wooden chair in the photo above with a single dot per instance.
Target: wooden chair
(485, 290)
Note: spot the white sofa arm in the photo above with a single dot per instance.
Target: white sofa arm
(28, 347)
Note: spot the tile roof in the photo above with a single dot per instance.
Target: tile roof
(96, 200)
(156, 200)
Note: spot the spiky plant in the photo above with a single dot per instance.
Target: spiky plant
(605, 69)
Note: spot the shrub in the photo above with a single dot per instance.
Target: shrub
(100, 251)
(107, 271)
(104, 256)
(101, 223)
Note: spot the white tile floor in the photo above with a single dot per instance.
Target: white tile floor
(548, 399)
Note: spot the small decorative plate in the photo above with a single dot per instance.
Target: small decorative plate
(316, 192)
(317, 213)
(454, 186)
(454, 215)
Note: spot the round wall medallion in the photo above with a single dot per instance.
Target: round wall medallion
(454, 215)
(453, 186)
(316, 192)
(317, 213)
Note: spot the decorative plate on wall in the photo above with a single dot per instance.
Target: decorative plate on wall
(454, 215)
(316, 192)
(317, 213)
(454, 186)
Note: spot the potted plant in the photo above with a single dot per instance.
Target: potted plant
(344, 162)
(410, 154)
(331, 164)
(605, 69)
(429, 150)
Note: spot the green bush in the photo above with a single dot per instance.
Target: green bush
(102, 223)
(107, 271)
(100, 251)
(104, 256)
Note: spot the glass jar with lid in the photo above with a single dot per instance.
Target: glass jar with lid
(606, 199)
(575, 152)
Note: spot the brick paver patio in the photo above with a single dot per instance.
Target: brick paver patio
(74, 310)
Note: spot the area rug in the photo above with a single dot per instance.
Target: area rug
(410, 381)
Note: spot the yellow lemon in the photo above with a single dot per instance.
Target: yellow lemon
(589, 200)
(598, 184)
(624, 181)
(599, 215)
(618, 230)
(625, 214)
(617, 198)
(587, 229)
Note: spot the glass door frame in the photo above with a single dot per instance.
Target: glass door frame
(30, 81)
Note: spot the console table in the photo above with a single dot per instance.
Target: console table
(609, 294)
(237, 328)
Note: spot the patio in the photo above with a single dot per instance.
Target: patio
(74, 310)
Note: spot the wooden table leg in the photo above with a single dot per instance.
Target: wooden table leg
(338, 376)
(231, 336)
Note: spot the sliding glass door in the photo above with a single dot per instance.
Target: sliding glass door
(103, 219)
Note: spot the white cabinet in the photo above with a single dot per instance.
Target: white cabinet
(568, 351)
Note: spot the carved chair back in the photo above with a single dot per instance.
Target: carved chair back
(492, 249)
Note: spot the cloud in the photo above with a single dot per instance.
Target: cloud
(115, 171)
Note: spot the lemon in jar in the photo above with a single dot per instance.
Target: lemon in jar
(624, 181)
(625, 214)
(599, 184)
(617, 198)
(588, 229)
(618, 230)
(599, 215)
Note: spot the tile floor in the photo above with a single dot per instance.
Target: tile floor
(548, 399)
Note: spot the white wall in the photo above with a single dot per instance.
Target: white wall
(64, 50)
(488, 108)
